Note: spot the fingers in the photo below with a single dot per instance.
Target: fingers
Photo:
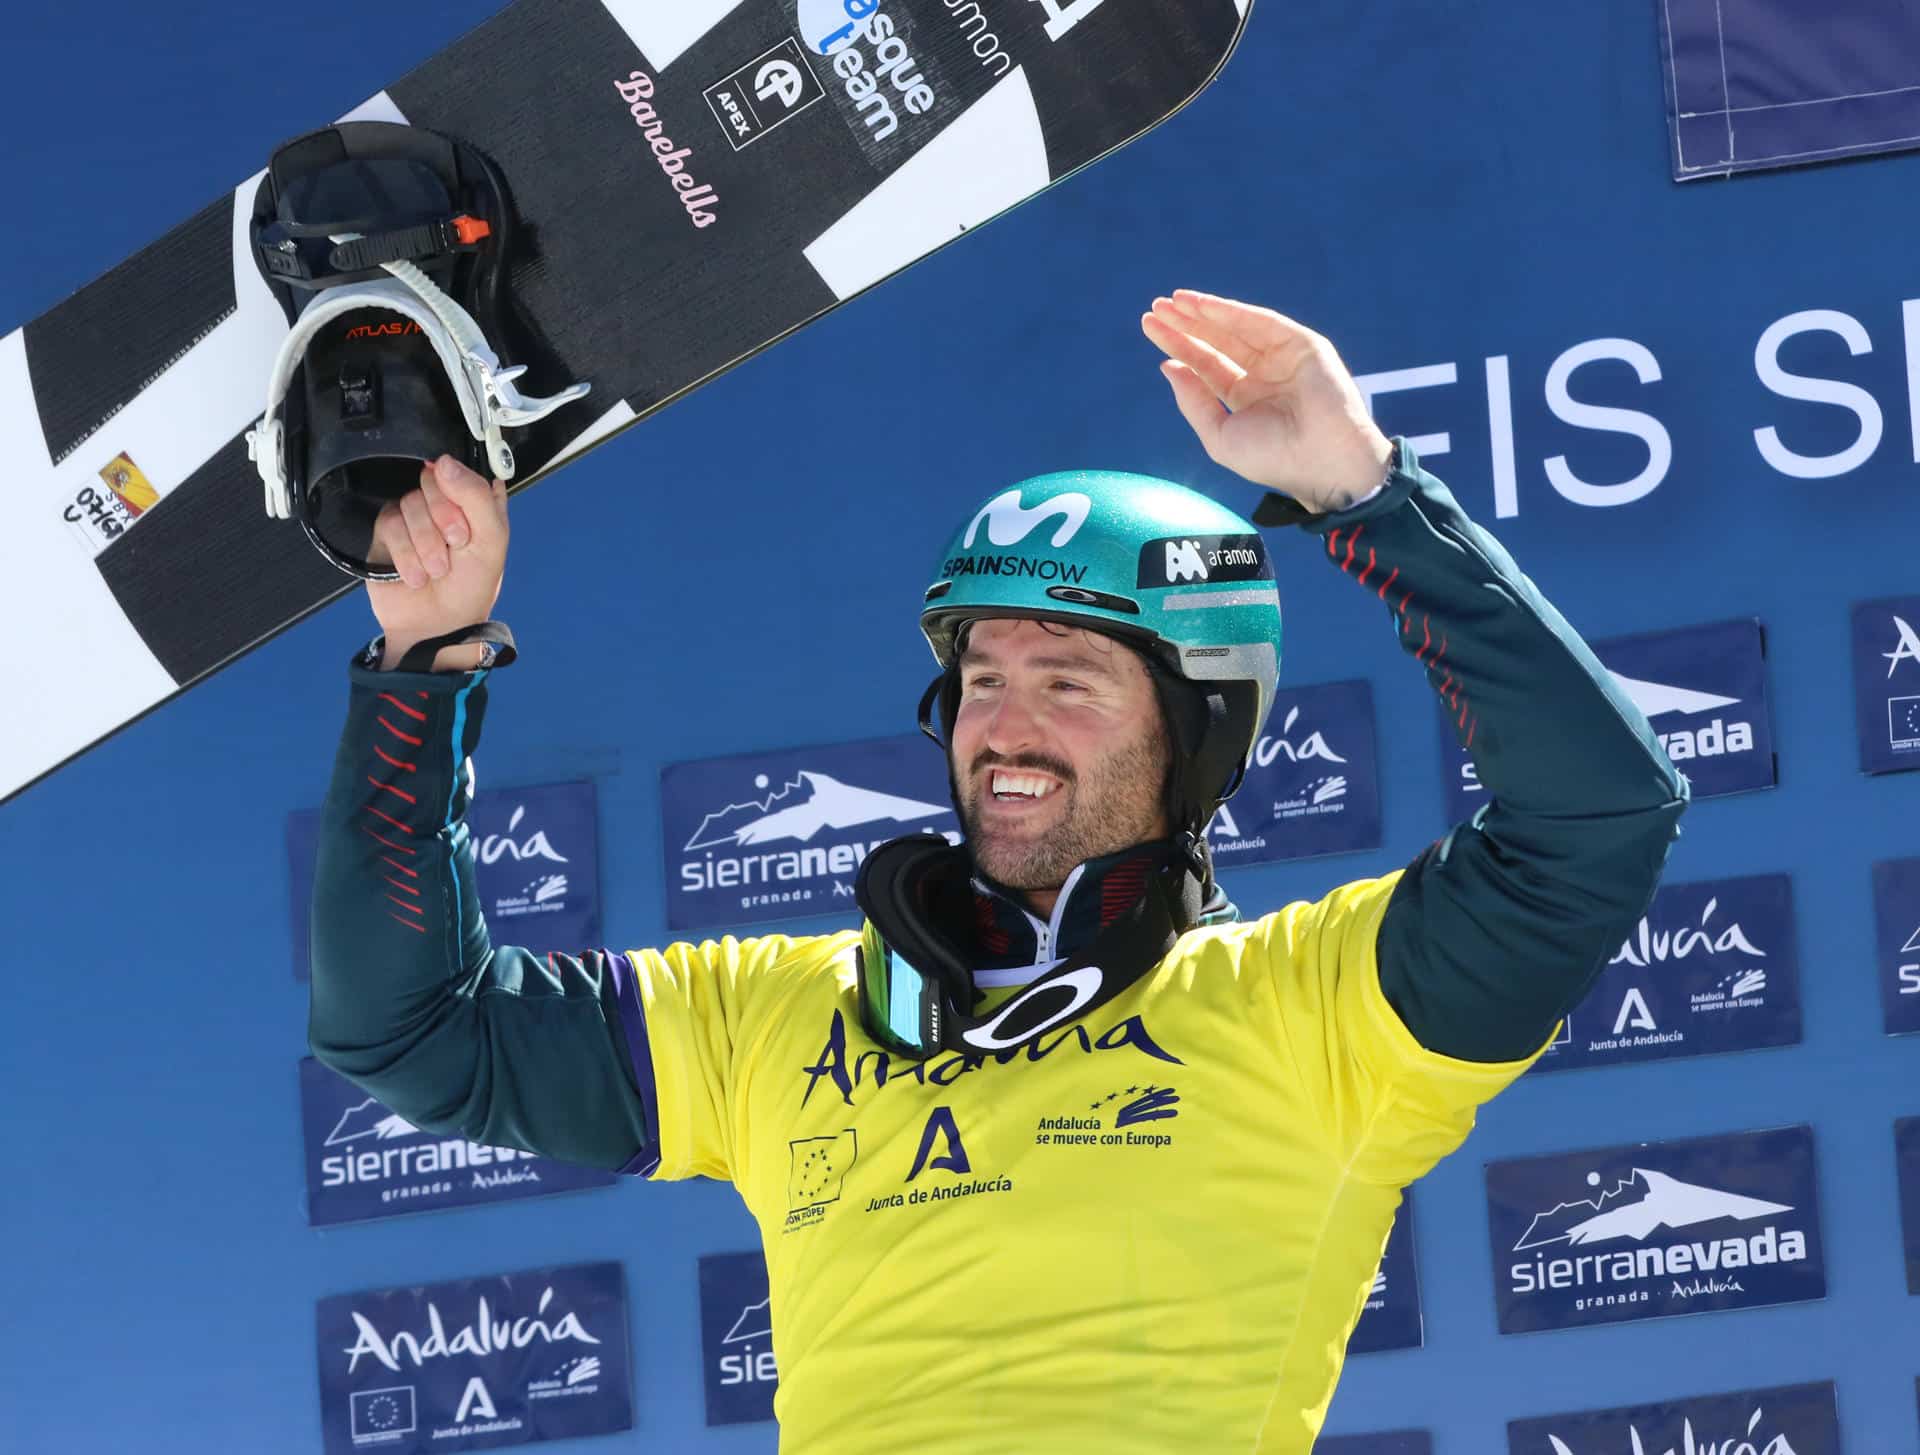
(448, 519)
(428, 544)
(1234, 326)
(1198, 402)
(482, 504)
(1219, 372)
(391, 534)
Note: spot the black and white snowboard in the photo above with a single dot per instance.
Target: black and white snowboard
(699, 178)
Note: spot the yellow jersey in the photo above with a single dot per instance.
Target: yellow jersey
(1151, 1231)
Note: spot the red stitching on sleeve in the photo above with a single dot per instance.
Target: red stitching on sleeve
(410, 924)
(389, 818)
(412, 712)
(404, 737)
(389, 788)
(1388, 582)
(382, 838)
(388, 757)
(1426, 631)
(405, 905)
(1370, 565)
(1352, 541)
(398, 885)
(1333, 544)
(1470, 727)
(410, 873)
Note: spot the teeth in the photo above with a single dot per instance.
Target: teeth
(1025, 784)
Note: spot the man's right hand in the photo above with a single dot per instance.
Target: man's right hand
(448, 541)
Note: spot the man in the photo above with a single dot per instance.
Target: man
(1056, 1155)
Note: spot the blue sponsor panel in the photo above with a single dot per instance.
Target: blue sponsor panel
(1655, 1230)
(1391, 1318)
(1906, 1155)
(1390, 1442)
(476, 1363)
(364, 1161)
(1313, 786)
(736, 1338)
(779, 835)
(536, 854)
(1886, 683)
(1778, 83)
(1712, 967)
(1797, 1418)
(1896, 918)
(1704, 690)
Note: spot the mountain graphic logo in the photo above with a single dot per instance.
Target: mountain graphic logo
(1912, 945)
(755, 1322)
(1655, 698)
(369, 1119)
(1659, 1201)
(825, 803)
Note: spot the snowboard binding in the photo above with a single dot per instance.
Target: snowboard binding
(387, 247)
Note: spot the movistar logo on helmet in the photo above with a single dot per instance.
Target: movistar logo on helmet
(1008, 522)
(1189, 560)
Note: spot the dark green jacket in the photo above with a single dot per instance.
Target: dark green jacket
(1492, 934)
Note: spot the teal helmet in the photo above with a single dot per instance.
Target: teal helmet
(1177, 576)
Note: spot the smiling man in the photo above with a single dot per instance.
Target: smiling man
(1057, 1153)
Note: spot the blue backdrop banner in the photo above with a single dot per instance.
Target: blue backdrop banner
(1314, 784)
(1704, 689)
(1886, 683)
(1795, 1419)
(1654, 1230)
(1391, 1318)
(736, 1338)
(1712, 967)
(1906, 1154)
(778, 835)
(1896, 918)
(1776, 83)
(363, 1161)
(536, 859)
(1392, 1442)
(477, 1363)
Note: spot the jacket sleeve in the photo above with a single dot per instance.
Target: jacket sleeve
(1496, 931)
(410, 999)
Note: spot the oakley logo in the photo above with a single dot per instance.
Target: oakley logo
(1009, 522)
(1081, 986)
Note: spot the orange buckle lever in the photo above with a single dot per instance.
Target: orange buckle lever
(470, 229)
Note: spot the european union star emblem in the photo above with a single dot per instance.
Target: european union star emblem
(818, 1166)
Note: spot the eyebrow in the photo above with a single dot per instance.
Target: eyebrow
(1087, 664)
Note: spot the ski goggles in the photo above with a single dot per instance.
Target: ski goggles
(916, 992)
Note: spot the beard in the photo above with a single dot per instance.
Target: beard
(1118, 803)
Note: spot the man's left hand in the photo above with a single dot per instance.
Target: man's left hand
(1269, 399)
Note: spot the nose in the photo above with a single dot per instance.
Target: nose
(1013, 727)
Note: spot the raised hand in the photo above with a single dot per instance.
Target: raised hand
(1269, 398)
(448, 541)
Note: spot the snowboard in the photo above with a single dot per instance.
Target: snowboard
(697, 178)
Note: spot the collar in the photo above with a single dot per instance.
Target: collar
(1011, 944)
